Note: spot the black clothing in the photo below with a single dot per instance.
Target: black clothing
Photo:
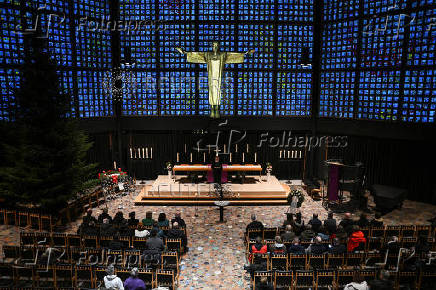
(338, 250)
(89, 218)
(363, 223)
(296, 250)
(330, 225)
(118, 219)
(298, 227)
(347, 224)
(180, 221)
(217, 169)
(103, 216)
(267, 286)
(317, 249)
(255, 225)
(89, 231)
(288, 236)
(176, 234)
(155, 243)
(381, 285)
(376, 223)
(315, 223)
(307, 235)
(132, 222)
(107, 230)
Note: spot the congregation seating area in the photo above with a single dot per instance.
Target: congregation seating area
(286, 269)
(23, 218)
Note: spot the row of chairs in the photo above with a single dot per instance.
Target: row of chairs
(72, 255)
(72, 240)
(37, 221)
(337, 279)
(76, 276)
(379, 232)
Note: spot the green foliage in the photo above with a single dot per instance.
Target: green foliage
(45, 157)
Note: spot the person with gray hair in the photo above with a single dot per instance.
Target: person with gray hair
(133, 282)
(316, 248)
(254, 224)
(112, 281)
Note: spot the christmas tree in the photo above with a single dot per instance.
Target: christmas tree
(45, 162)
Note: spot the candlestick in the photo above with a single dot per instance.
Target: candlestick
(236, 148)
(191, 157)
(247, 148)
(151, 152)
(243, 157)
(230, 157)
(224, 148)
(115, 165)
(185, 148)
(177, 157)
(131, 153)
(255, 157)
(146, 152)
(204, 157)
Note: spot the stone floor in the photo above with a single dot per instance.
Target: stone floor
(217, 255)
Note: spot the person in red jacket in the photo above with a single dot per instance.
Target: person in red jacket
(356, 238)
(257, 248)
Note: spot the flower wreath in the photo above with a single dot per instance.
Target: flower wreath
(298, 194)
(168, 166)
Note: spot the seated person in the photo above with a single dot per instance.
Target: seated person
(288, 235)
(133, 282)
(422, 246)
(118, 218)
(132, 221)
(148, 221)
(298, 224)
(162, 220)
(289, 220)
(176, 233)
(278, 247)
(112, 281)
(160, 233)
(337, 248)
(358, 283)
(154, 242)
(124, 229)
(377, 221)
(356, 240)
(107, 229)
(177, 218)
(322, 232)
(254, 225)
(308, 234)
(88, 217)
(316, 248)
(315, 223)
(257, 248)
(115, 243)
(90, 229)
(347, 223)
(341, 234)
(330, 223)
(363, 221)
(296, 248)
(104, 215)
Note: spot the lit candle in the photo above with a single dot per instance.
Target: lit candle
(177, 156)
(191, 157)
(230, 157)
(300, 153)
(115, 165)
(151, 152)
(185, 148)
(247, 148)
(209, 148)
(204, 157)
(255, 157)
(134, 150)
(224, 148)
(280, 153)
(139, 152)
(243, 157)
(236, 148)
(131, 153)
(143, 152)
(146, 152)
(292, 153)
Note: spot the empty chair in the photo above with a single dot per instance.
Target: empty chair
(408, 279)
(147, 276)
(334, 261)
(170, 260)
(59, 239)
(11, 254)
(353, 260)
(279, 262)
(64, 276)
(27, 239)
(283, 279)
(132, 258)
(6, 275)
(344, 277)
(45, 276)
(269, 233)
(297, 262)
(316, 261)
(407, 231)
(165, 278)
(139, 243)
(325, 279)
(258, 275)
(422, 231)
(174, 245)
(391, 231)
(304, 279)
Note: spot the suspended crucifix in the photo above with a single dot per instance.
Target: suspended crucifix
(215, 61)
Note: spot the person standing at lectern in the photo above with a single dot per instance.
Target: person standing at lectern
(217, 169)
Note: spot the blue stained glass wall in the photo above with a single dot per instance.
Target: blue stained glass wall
(255, 93)
(177, 93)
(141, 96)
(175, 35)
(292, 40)
(378, 64)
(294, 94)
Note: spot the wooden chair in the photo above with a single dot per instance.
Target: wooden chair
(46, 223)
(126, 241)
(353, 259)
(89, 242)
(391, 231)
(10, 217)
(45, 276)
(259, 274)
(374, 244)
(408, 242)
(343, 278)
(139, 243)
(316, 262)
(42, 239)
(170, 260)
(11, 254)
(283, 280)
(324, 279)
(334, 261)
(123, 273)
(372, 259)
(27, 255)
(115, 257)
(407, 231)
(427, 280)
(23, 219)
(297, 262)
(104, 241)
(421, 230)
(261, 259)
(132, 258)
(59, 240)
(366, 231)
(252, 234)
(377, 232)
(83, 276)
(24, 276)
(147, 276)
(98, 275)
(409, 279)
(304, 279)
(77, 256)
(279, 262)
(368, 274)
(74, 240)
(6, 275)
(269, 233)
(27, 239)
(174, 245)
(165, 278)
(35, 221)
(94, 257)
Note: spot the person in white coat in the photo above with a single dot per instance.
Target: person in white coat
(112, 281)
(358, 283)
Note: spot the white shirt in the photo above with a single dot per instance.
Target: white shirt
(356, 286)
